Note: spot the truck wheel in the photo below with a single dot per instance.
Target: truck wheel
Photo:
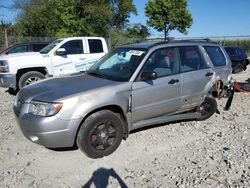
(207, 108)
(29, 78)
(100, 134)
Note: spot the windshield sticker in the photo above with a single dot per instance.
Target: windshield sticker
(136, 52)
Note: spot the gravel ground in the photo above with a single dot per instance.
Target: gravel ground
(211, 153)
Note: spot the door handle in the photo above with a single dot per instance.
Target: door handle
(209, 74)
(173, 81)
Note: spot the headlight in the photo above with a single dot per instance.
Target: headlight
(44, 109)
(4, 66)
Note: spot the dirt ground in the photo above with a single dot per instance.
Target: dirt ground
(211, 153)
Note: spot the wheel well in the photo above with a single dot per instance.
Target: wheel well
(114, 108)
(20, 72)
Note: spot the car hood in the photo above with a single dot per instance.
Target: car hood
(20, 55)
(55, 89)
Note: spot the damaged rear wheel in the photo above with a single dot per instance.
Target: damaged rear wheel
(207, 108)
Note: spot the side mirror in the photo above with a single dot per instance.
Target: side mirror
(61, 52)
(148, 76)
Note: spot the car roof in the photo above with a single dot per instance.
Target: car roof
(235, 47)
(138, 45)
(40, 42)
(23, 43)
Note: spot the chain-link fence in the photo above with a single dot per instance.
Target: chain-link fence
(118, 39)
(7, 40)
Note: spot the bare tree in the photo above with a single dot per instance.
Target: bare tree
(5, 26)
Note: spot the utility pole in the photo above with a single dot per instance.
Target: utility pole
(5, 26)
(6, 37)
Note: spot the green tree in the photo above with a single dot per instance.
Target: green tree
(72, 17)
(138, 31)
(167, 15)
(120, 11)
(37, 18)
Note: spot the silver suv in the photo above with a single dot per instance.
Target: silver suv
(134, 86)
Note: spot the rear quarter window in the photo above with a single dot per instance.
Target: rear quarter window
(241, 52)
(231, 51)
(216, 55)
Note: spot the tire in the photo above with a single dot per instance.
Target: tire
(100, 134)
(29, 78)
(207, 108)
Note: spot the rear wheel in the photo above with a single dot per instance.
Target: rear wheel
(100, 134)
(207, 108)
(29, 78)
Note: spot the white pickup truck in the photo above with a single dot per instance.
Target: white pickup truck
(63, 56)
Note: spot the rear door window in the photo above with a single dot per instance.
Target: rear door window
(216, 55)
(191, 59)
(95, 46)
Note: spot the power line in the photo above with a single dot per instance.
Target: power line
(2, 6)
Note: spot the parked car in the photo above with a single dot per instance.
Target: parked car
(24, 47)
(134, 86)
(63, 56)
(238, 58)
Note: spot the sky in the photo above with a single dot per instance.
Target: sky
(210, 17)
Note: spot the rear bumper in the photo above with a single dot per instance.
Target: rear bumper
(8, 80)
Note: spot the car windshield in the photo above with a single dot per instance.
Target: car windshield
(49, 47)
(118, 65)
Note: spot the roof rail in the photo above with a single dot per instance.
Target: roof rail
(172, 39)
(155, 39)
(158, 41)
(194, 40)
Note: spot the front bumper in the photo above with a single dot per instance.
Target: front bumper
(8, 80)
(51, 132)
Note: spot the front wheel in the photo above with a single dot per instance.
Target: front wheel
(207, 108)
(29, 78)
(100, 134)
